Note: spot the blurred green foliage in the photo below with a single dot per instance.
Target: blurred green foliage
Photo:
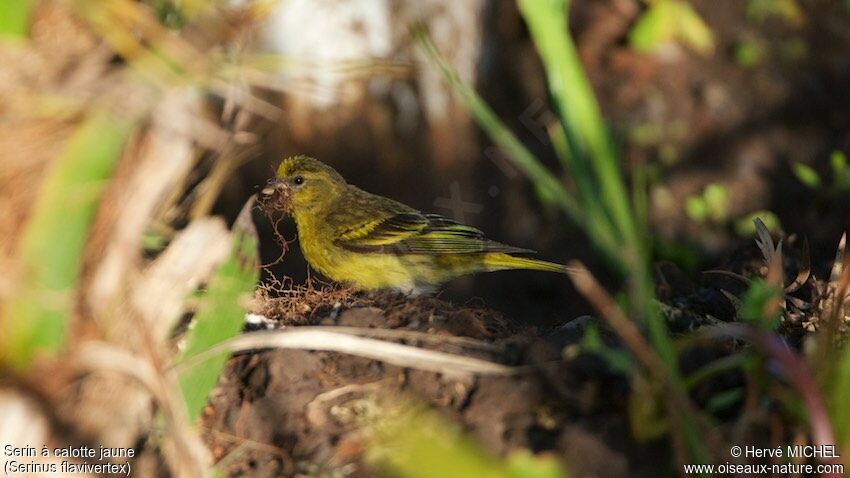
(14, 18)
(169, 13)
(412, 442)
(835, 381)
(786, 10)
(220, 316)
(840, 172)
(758, 305)
(793, 49)
(648, 417)
(745, 227)
(614, 220)
(617, 359)
(671, 21)
(807, 175)
(840, 183)
(749, 53)
(582, 140)
(35, 319)
(710, 206)
(685, 255)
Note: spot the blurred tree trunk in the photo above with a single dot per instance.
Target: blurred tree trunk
(364, 74)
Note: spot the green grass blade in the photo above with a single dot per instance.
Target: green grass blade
(838, 390)
(585, 215)
(50, 249)
(220, 316)
(14, 18)
(502, 136)
(576, 106)
(575, 103)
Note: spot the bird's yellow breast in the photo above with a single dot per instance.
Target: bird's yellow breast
(368, 271)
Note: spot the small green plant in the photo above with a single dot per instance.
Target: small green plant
(749, 53)
(806, 175)
(744, 226)
(840, 183)
(759, 305)
(786, 10)
(840, 171)
(711, 206)
(617, 359)
(671, 21)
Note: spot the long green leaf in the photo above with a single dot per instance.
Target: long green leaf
(575, 103)
(34, 320)
(584, 126)
(501, 135)
(838, 389)
(220, 316)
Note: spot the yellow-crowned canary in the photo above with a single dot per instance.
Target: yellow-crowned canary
(372, 242)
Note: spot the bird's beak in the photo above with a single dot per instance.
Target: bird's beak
(275, 186)
(276, 195)
(268, 190)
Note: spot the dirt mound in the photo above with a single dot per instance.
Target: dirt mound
(290, 412)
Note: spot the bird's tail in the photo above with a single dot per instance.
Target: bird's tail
(500, 261)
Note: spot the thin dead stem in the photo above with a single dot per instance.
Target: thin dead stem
(308, 338)
(611, 312)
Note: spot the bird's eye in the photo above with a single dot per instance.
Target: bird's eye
(298, 180)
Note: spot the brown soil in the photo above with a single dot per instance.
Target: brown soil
(271, 415)
(295, 412)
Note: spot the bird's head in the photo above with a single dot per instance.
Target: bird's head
(303, 184)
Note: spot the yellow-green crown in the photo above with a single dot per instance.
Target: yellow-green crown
(301, 164)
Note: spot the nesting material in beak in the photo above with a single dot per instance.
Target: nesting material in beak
(275, 196)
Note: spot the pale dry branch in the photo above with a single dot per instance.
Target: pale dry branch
(307, 338)
(396, 334)
(163, 162)
(184, 452)
(188, 261)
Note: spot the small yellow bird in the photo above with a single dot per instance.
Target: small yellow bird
(372, 242)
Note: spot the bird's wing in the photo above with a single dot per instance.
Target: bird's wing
(411, 232)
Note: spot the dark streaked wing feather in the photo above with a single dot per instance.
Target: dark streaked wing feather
(411, 232)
